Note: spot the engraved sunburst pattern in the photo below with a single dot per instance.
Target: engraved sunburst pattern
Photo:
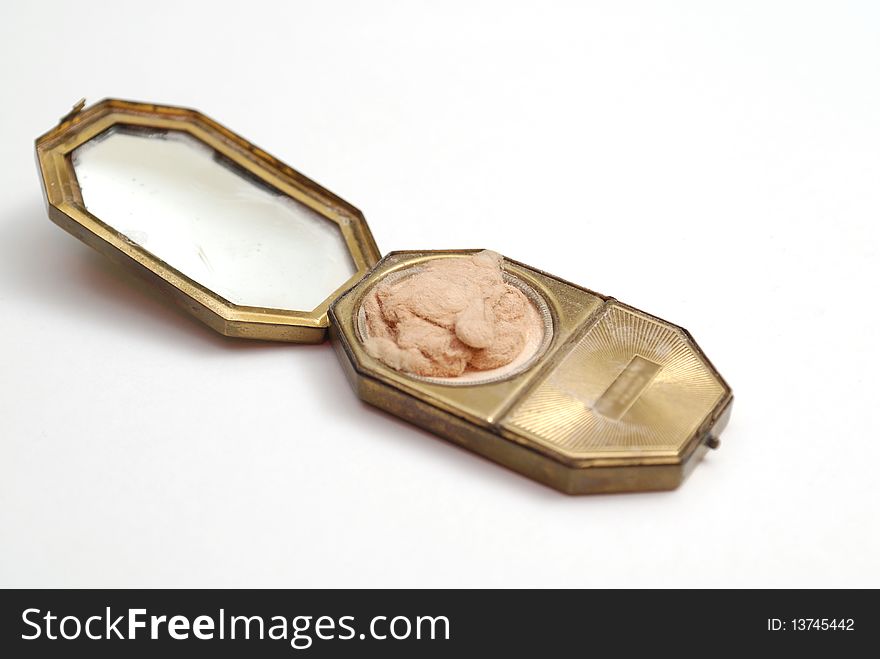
(655, 410)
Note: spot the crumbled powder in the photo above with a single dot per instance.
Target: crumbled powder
(452, 315)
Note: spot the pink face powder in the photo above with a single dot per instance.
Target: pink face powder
(451, 318)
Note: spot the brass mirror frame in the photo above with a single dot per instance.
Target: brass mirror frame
(66, 208)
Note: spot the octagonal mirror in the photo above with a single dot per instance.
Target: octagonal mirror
(238, 239)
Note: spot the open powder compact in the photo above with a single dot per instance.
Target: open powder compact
(566, 386)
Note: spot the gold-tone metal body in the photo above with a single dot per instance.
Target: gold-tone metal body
(66, 208)
(617, 399)
(620, 401)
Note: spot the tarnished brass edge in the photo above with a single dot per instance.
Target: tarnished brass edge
(489, 444)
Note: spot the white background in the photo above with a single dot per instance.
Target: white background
(715, 164)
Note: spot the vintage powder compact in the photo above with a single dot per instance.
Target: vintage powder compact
(569, 387)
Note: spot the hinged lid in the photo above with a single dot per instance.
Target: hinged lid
(243, 242)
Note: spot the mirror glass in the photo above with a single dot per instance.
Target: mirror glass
(211, 220)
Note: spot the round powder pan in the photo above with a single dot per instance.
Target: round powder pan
(536, 343)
